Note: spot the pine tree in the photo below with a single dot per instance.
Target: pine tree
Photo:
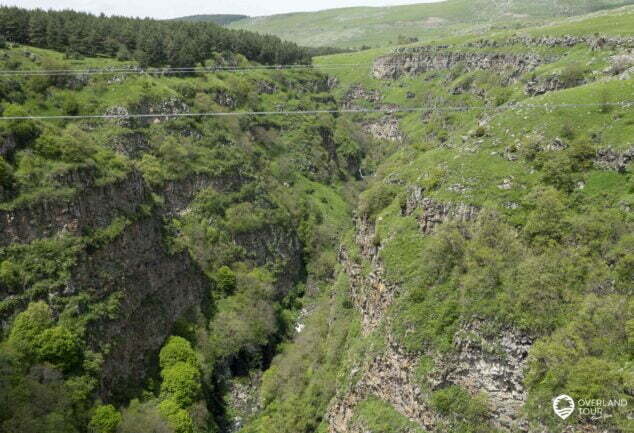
(38, 24)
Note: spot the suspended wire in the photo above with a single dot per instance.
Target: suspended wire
(197, 70)
(134, 70)
(432, 108)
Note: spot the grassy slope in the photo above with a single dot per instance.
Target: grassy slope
(354, 27)
(221, 19)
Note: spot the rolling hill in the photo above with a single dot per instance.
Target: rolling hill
(220, 19)
(372, 26)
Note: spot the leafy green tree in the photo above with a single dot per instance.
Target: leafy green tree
(558, 172)
(177, 417)
(545, 222)
(176, 350)
(581, 154)
(105, 419)
(6, 176)
(181, 50)
(464, 413)
(156, 43)
(143, 417)
(225, 279)
(60, 347)
(40, 402)
(38, 24)
(28, 327)
(181, 384)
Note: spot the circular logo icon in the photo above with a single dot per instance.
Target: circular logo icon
(563, 406)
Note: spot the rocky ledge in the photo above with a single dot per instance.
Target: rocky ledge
(417, 61)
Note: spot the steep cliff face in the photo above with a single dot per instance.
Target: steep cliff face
(94, 208)
(417, 61)
(154, 288)
(479, 363)
(431, 212)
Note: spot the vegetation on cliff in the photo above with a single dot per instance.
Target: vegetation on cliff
(449, 262)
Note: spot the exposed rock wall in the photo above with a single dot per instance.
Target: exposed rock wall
(479, 363)
(275, 244)
(370, 293)
(549, 84)
(94, 208)
(492, 365)
(390, 377)
(386, 128)
(433, 212)
(594, 42)
(150, 110)
(610, 159)
(408, 62)
(156, 289)
(360, 93)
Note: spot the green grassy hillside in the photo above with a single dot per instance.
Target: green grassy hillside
(220, 19)
(355, 27)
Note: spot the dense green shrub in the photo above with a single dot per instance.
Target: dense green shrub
(44, 261)
(245, 217)
(466, 413)
(380, 417)
(225, 280)
(41, 402)
(142, 417)
(6, 178)
(61, 347)
(584, 358)
(572, 74)
(105, 419)
(545, 223)
(177, 418)
(176, 350)
(377, 198)
(23, 131)
(231, 334)
(28, 327)
(581, 154)
(558, 172)
(181, 383)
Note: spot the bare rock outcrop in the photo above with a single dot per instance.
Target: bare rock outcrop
(95, 208)
(553, 83)
(150, 111)
(595, 42)
(610, 159)
(359, 93)
(386, 128)
(409, 62)
(389, 376)
(433, 212)
(371, 294)
(493, 365)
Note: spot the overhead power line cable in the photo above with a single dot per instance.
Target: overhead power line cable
(196, 70)
(431, 108)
